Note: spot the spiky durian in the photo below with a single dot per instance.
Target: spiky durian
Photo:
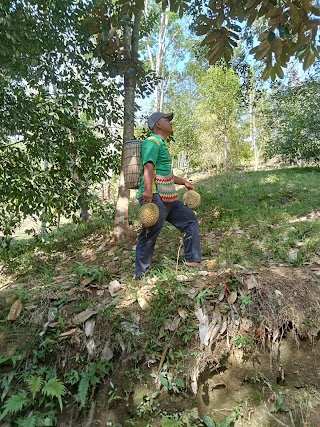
(148, 214)
(192, 199)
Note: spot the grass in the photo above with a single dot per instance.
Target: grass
(259, 217)
(250, 219)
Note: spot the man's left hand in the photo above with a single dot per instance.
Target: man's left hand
(189, 185)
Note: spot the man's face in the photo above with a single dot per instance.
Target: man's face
(166, 125)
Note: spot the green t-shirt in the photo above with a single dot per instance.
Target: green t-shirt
(159, 155)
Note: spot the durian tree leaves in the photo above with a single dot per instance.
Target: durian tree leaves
(289, 27)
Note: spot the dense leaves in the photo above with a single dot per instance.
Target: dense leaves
(287, 29)
(295, 123)
(57, 106)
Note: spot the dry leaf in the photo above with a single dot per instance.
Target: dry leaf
(114, 287)
(232, 297)
(83, 316)
(144, 304)
(250, 283)
(192, 293)
(107, 353)
(89, 327)
(173, 324)
(15, 310)
(86, 281)
(91, 346)
(221, 294)
(68, 333)
(203, 326)
(223, 327)
(183, 313)
(182, 278)
(204, 273)
(211, 264)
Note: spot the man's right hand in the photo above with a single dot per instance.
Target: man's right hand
(147, 196)
(148, 179)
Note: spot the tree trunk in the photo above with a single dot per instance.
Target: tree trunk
(160, 63)
(253, 130)
(43, 229)
(131, 45)
(84, 212)
(225, 142)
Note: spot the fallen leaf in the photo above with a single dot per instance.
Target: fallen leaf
(91, 346)
(114, 287)
(211, 264)
(232, 297)
(89, 327)
(183, 313)
(314, 267)
(293, 256)
(223, 327)
(182, 278)
(15, 310)
(68, 333)
(86, 281)
(173, 324)
(203, 326)
(246, 324)
(221, 294)
(107, 353)
(192, 293)
(126, 302)
(143, 303)
(100, 293)
(204, 273)
(250, 283)
(83, 316)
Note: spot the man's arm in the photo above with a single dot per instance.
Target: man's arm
(148, 178)
(181, 181)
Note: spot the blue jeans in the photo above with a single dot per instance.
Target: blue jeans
(182, 218)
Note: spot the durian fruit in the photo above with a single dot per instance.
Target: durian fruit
(192, 199)
(148, 214)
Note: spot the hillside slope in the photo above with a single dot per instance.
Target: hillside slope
(233, 343)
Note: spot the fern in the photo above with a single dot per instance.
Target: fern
(55, 388)
(83, 389)
(35, 383)
(14, 404)
(29, 421)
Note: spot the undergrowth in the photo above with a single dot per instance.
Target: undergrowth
(51, 362)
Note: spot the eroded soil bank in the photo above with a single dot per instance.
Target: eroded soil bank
(241, 349)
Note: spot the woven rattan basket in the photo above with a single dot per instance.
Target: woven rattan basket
(131, 153)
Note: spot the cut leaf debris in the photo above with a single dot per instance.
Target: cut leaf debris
(15, 310)
(83, 316)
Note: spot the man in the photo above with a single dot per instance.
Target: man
(157, 185)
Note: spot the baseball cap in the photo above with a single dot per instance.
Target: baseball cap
(155, 117)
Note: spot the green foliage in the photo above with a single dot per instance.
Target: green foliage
(294, 124)
(279, 39)
(51, 91)
(35, 384)
(55, 388)
(280, 404)
(14, 404)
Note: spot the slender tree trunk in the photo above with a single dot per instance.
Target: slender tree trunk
(43, 229)
(160, 62)
(225, 142)
(131, 44)
(253, 130)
